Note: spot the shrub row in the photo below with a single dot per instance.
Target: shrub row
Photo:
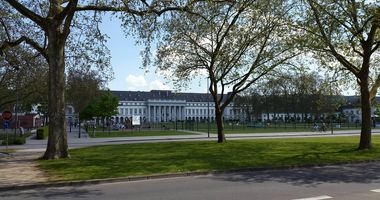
(42, 133)
(14, 140)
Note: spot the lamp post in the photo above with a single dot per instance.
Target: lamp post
(16, 106)
(208, 110)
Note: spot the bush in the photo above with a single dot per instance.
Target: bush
(19, 140)
(40, 135)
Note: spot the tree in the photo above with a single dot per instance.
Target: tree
(347, 32)
(82, 87)
(22, 80)
(233, 43)
(103, 106)
(286, 91)
(49, 28)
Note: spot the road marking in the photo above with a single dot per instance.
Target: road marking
(316, 198)
(376, 190)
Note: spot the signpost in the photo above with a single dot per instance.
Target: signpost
(7, 115)
(136, 120)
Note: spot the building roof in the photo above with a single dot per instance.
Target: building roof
(161, 95)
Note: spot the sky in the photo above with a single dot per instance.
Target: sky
(127, 64)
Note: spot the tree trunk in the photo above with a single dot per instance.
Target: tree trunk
(220, 125)
(365, 135)
(57, 141)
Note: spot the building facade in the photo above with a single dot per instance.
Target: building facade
(167, 106)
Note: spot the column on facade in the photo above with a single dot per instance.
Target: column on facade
(175, 113)
(148, 113)
(170, 113)
(180, 112)
(159, 113)
(165, 113)
(154, 113)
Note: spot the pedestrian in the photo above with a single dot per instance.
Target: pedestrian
(323, 128)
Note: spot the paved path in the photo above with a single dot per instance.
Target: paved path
(85, 141)
(20, 168)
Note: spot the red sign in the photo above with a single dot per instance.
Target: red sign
(7, 115)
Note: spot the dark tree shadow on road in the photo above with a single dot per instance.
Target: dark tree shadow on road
(309, 176)
(51, 193)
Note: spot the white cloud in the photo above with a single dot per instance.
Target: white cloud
(158, 85)
(139, 83)
(135, 82)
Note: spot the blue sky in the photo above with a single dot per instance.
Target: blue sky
(127, 65)
(126, 62)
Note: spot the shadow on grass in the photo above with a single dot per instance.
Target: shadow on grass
(310, 176)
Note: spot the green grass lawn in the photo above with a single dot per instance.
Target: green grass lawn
(277, 130)
(172, 157)
(7, 150)
(135, 133)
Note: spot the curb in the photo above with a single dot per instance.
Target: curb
(39, 185)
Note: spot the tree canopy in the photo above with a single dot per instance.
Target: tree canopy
(344, 35)
(65, 34)
(233, 44)
(103, 106)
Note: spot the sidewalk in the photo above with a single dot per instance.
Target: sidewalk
(20, 168)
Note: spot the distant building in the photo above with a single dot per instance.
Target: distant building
(165, 106)
(24, 120)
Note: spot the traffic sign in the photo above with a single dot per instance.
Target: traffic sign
(6, 124)
(7, 115)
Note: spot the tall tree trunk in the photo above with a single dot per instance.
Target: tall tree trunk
(365, 136)
(57, 141)
(220, 125)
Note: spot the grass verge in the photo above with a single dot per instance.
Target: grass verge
(173, 157)
(136, 133)
(277, 130)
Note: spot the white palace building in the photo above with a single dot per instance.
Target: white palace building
(166, 106)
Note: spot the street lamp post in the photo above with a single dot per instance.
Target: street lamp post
(16, 106)
(208, 110)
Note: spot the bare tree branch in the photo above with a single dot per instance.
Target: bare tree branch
(27, 13)
(25, 39)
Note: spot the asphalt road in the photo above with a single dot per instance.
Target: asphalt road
(344, 182)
